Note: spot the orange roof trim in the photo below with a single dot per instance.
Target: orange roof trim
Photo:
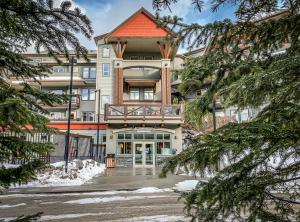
(140, 24)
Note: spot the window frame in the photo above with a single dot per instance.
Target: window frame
(105, 73)
(88, 71)
(91, 91)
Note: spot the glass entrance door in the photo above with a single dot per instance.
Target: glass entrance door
(138, 154)
(143, 155)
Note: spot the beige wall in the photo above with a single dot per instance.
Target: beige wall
(105, 84)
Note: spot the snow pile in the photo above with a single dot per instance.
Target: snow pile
(79, 172)
(186, 185)
(9, 206)
(9, 166)
(96, 200)
(152, 190)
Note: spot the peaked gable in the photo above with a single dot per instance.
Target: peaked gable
(139, 25)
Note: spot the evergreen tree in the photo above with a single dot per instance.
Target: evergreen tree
(42, 24)
(251, 63)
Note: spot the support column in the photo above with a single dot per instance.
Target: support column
(116, 86)
(168, 87)
(118, 90)
(119, 49)
(120, 86)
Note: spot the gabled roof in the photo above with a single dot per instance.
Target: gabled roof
(141, 24)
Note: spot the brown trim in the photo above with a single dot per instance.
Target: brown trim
(165, 49)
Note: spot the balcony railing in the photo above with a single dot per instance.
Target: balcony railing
(75, 104)
(143, 112)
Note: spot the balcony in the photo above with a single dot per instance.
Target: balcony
(144, 113)
(75, 104)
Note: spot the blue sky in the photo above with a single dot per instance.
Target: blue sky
(107, 14)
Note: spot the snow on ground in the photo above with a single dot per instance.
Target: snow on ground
(156, 218)
(67, 216)
(152, 190)
(57, 217)
(10, 206)
(9, 166)
(186, 185)
(98, 193)
(109, 199)
(79, 172)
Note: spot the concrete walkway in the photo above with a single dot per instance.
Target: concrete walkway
(115, 179)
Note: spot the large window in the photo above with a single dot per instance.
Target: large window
(88, 116)
(88, 94)
(163, 144)
(125, 142)
(104, 100)
(59, 69)
(148, 94)
(106, 69)
(89, 72)
(134, 94)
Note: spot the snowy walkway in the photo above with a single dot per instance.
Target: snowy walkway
(122, 200)
(116, 179)
(148, 204)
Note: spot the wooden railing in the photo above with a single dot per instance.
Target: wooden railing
(143, 112)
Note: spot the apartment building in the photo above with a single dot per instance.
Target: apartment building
(134, 63)
(83, 114)
(127, 80)
(223, 115)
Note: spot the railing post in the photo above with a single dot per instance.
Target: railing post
(106, 111)
(125, 112)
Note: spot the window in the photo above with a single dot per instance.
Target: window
(105, 69)
(59, 69)
(105, 52)
(57, 115)
(88, 116)
(104, 100)
(124, 143)
(124, 148)
(103, 138)
(138, 136)
(149, 136)
(148, 94)
(148, 57)
(89, 73)
(134, 94)
(88, 94)
(163, 144)
(134, 58)
(57, 91)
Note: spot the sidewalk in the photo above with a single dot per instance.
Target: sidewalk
(115, 179)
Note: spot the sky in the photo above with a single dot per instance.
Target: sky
(105, 15)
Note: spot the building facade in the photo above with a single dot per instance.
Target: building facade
(127, 81)
(134, 63)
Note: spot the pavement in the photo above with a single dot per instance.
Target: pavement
(109, 197)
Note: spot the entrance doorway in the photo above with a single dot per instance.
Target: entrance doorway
(143, 154)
